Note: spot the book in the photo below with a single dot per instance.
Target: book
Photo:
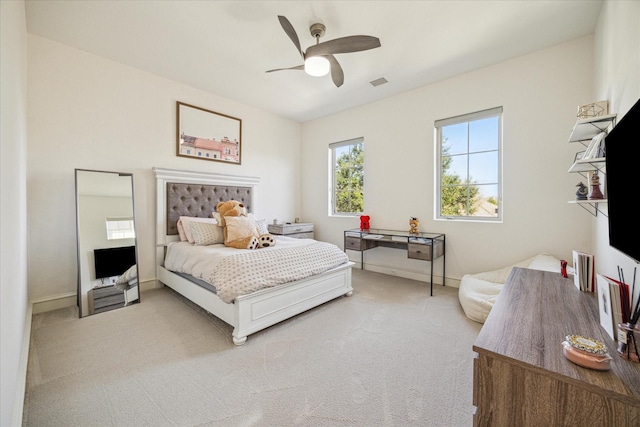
(623, 298)
(584, 271)
(605, 306)
(624, 301)
(372, 236)
(593, 149)
(619, 300)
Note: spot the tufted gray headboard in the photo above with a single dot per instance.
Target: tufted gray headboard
(190, 193)
(200, 200)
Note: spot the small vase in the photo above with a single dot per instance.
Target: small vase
(628, 345)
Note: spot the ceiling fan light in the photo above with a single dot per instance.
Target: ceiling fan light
(317, 66)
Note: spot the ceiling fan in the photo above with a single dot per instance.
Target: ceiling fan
(319, 59)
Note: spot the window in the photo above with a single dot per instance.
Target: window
(120, 228)
(347, 177)
(469, 168)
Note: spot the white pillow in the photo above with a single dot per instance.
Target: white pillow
(239, 227)
(183, 237)
(185, 222)
(260, 223)
(131, 273)
(205, 234)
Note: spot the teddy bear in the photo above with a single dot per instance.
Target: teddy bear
(364, 222)
(245, 235)
(413, 225)
(239, 230)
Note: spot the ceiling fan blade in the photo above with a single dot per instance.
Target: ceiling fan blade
(343, 45)
(291, 32)
(297, 67)
(337, 75)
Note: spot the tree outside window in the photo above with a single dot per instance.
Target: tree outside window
(347, 177)
(469, 175)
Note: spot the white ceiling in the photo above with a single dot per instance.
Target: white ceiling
(225, 47)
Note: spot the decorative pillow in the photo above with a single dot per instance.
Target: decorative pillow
(131, 273)
(183, 237)
(205, 234)
(261, 224)
(185, 223)
(239, 227)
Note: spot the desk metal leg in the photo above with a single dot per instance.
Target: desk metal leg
(444, 258)
(431, 262)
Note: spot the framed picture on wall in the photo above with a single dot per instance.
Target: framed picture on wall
(207, 135)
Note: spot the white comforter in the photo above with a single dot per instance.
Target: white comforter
(236, 272)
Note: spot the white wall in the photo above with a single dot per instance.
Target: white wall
(617, 79)
(88, 112)
(14, 309)
(540, 93)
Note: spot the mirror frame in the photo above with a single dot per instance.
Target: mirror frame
(78, 252)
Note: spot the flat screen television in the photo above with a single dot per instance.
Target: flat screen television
(622, 160)
(111, 262)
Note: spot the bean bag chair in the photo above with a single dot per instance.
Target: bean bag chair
(478, 292)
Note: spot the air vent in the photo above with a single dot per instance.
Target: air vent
(378, 82)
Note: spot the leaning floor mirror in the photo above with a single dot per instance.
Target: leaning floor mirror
(106, 234)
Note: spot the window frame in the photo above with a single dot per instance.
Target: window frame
(130, 232)
(332, 171)
(467, 118)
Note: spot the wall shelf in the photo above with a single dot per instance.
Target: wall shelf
(585, 129)
(591, 206)
(588, 165)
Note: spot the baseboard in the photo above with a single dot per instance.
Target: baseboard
(54, 302)
(149, 284)
(21, 386)
(412, 275)
(69, 299)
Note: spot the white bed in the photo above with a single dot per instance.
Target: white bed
(248, 313)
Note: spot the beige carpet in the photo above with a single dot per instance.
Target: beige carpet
(390, 355)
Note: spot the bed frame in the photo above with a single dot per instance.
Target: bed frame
(201, 192)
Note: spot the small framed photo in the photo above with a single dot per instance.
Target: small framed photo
(207, 135)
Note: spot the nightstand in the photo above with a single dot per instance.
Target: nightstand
(105, 298)
(300, 230)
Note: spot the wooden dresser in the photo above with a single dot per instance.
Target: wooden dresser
(520, 376)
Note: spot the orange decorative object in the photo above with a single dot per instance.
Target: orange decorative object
(586, 352)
